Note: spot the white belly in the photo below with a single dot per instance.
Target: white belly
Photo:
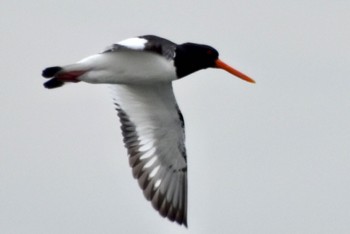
(126, 67)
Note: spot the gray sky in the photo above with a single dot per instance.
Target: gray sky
(267, 158)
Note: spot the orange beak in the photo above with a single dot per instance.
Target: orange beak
(220, 64)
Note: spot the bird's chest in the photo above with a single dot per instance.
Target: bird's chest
(132, 68)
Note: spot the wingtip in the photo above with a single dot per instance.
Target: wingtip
(182, 221)
(185, 224)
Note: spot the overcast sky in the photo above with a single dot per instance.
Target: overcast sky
(273, 157)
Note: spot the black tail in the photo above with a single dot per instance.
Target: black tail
(51, 71)
(54, 82)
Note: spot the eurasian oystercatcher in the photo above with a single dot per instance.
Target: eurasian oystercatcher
(141, 70)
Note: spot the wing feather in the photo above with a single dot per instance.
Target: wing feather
(150, 43)
(153, 131)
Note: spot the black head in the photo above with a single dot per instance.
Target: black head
(190, 57)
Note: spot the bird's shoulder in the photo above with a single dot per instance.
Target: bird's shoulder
(147, 43)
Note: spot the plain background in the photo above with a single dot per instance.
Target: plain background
(266, 158)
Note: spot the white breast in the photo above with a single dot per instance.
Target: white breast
(127, 67)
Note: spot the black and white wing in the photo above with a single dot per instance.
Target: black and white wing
(153, 131)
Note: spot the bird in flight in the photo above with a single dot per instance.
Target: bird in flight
(140, 71)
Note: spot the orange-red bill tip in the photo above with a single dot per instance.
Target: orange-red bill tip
(220, 64)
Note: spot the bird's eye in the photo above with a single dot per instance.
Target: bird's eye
(209, 52)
